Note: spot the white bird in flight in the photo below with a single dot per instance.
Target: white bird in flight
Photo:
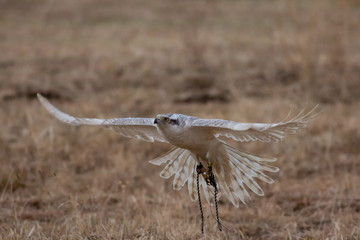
(202, 142)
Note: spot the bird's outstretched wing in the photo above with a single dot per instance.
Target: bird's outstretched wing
(245, 132)
(140, 128)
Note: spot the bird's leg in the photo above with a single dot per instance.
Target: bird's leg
(210, 177)
(200, 169)
(207, 174)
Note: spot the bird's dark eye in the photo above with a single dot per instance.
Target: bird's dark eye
(166, 119)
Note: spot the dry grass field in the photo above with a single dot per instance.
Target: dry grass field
(240, 60)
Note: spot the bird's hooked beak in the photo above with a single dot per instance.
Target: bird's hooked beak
(156, 120)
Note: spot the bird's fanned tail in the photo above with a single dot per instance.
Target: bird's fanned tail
(235, 172)
(181, 163)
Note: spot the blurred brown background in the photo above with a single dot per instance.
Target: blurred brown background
(240, 60)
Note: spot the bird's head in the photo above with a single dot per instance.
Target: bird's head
(170, 120)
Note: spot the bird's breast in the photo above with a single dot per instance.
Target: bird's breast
(193, 139)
